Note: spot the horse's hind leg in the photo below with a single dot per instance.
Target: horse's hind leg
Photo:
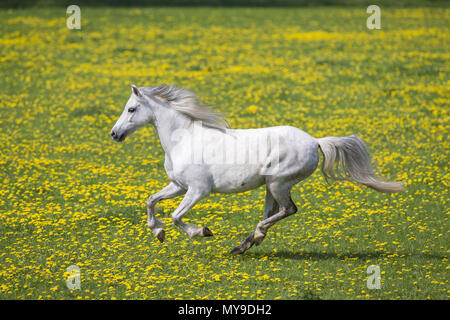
(281, 192)
(169, 192)
(271, 207)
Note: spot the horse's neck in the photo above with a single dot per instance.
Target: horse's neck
(168, 121)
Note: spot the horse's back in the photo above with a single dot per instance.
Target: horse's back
(293, 150)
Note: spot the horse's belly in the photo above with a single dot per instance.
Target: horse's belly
(230, 179)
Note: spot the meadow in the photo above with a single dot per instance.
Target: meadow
(70, 195)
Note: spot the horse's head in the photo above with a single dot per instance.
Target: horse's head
(137, 112)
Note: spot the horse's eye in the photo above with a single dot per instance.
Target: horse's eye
(131, 110)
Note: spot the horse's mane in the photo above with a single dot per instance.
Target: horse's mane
(187, 103)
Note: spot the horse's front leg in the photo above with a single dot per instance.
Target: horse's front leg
(170, 191)
(193, 195)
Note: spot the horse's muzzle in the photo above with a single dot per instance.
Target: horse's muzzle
(117, 137)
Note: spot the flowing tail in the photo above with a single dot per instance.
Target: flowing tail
(347, 158)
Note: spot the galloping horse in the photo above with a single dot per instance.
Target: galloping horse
(204, 155)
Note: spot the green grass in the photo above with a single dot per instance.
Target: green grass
(71, 195)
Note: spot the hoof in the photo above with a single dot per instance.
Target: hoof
(237, 250)
(206, 232)
(161, 235)
(245, 245)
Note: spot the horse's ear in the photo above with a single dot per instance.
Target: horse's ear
(136, 90)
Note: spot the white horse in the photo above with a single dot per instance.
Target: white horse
(204, 156)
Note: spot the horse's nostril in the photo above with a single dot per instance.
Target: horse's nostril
(113, 134)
